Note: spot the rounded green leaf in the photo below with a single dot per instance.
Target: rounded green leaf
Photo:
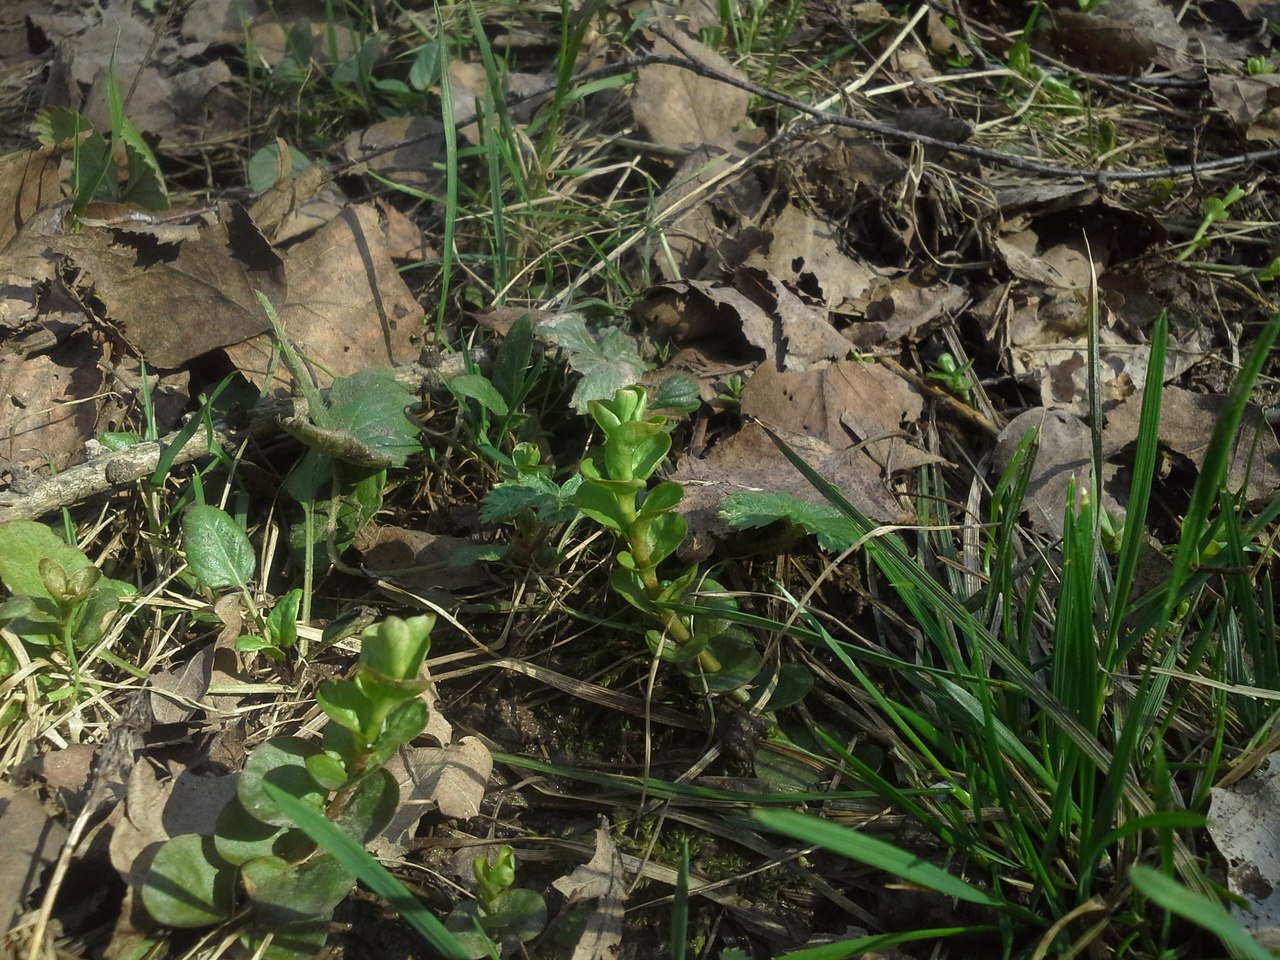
(284, 892)
(344, 704)
(281, 761)
(289, 941)
(739, 662)
(240, 837)
(372, 805)
(218, 550)
(665, 496)
(665, 533)
(794, 681)
(188, 884)
(518, 914)
(674, 652)
(327, 770)
(403, 723)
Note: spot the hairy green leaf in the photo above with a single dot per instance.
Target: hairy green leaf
(218, 550)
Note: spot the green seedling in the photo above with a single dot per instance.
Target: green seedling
(693, 612)
(954, 377)
(1215, 209)
(502, 916)
(257, 861)
(60, 605)
(124, 170)
(353, 436)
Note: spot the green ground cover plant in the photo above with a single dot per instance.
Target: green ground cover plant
(956, 733)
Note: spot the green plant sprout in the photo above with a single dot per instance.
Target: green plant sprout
(1215, 209)
(59, 606)
(954, 377)
(352, 437)
(502, 915)
(257, 859)
(699, 637)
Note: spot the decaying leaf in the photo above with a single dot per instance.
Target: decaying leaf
(749, 461)
(679, 108)
(1244, 822)
(451, 779)
(845, 404)
(430, 565)
(601, 878)
(805, 253)
(347, 307)
(32, 841)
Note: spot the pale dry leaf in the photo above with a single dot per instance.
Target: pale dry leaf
(179, 689)
(427, 564)
(51, 404)
(678, 108)
(749, 462)
(715, 231)
(451, 779)
(601, 878)
(29, 180)
(1187, 422)
(903, 307)
(805, 252)
(176, 301)
(1244, 823)
(470, 91)
(416, 163)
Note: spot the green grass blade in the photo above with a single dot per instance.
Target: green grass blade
(876, 942)
(680, 908)
(373, 874)
(1202, 911)
(874, 853)
(451, 176)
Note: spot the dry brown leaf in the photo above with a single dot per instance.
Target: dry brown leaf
(1244, 823)
(424, 563)
(176, 301)
(845, 404)
(29, 181)
(298, 205)
(903, 307)
(1187, 421)
(1064, 454)
(804, 252)
(50, 408)
(347, 307)
(188, 682)
(32, 841)
(678, 108)
(415, 164)
(715, 233)
(601, 878)
(469, 90)
(451, 779)
(749, 462)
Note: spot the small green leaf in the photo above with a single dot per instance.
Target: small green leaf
(372, 805)
(282, 621)
(218, 550)
(664, 535)
(514, 357)
(601, 505)
(739, 662)
(251, 644)
(240, 837)
(665, 496)
(404, 723)
(678, 392)
(626, 583)
(794, 681)
(282, 762)
(477, 387)
(188, 884)
(284, 892)
(344, 704)
(300, 940)
(327, 770)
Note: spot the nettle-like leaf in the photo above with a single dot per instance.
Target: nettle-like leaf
(371, 405)
(746, 511)
(281, 761)
(606, 365)
(283, 892)
(218, 550)
(188, 884)
(547, 500)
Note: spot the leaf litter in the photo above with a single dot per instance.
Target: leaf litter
(788, 268)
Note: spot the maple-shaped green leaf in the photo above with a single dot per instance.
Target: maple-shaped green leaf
(606, 365)
(372, 406)
(745, 511)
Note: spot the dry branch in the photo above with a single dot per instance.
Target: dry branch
(32, 498)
